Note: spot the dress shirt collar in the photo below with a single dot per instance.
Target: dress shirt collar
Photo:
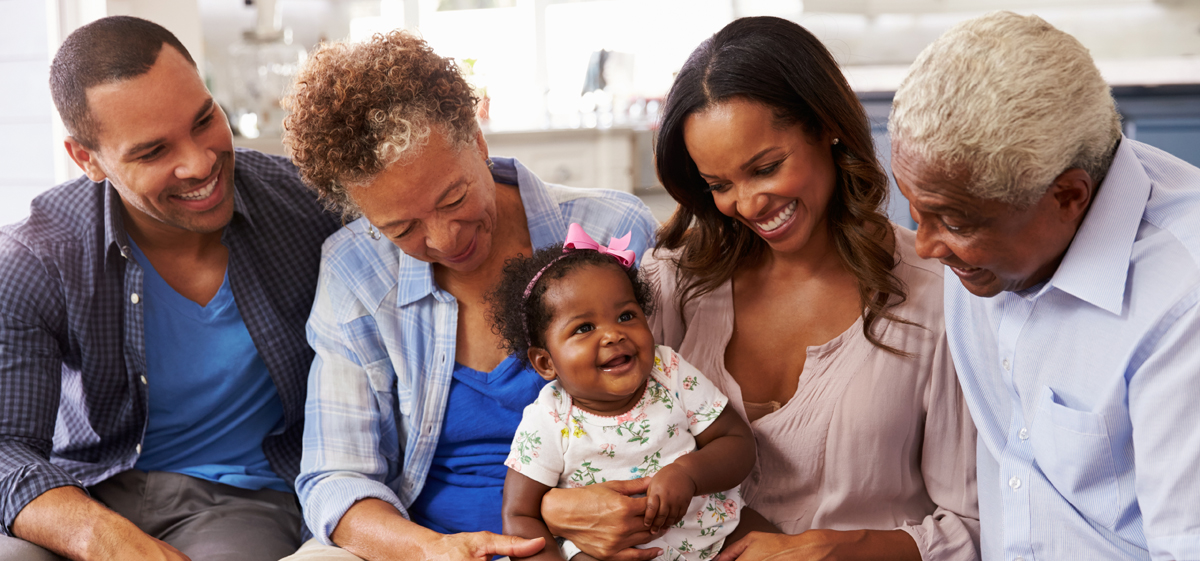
(114, 225)
(1096, 264)
(547, 226)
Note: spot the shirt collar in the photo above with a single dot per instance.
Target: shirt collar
(1096, 265)
(547, 226)
(114, 224)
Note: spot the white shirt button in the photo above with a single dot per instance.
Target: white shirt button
(1019, 559)
(125, 251)
(135, 298)
(1024, 434)
(1014, 483)
(138, 448)
(143, 378)
(1006, 364)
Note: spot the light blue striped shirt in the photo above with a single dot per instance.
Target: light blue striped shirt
(384, 335)
(1084, 388)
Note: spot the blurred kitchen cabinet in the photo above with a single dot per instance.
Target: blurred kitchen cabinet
(596, 158)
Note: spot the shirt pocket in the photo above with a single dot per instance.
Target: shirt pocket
(388, 399)
(1072, 449)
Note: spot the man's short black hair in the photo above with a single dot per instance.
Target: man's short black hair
(107, 50)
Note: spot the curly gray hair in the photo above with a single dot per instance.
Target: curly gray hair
(1009, 102)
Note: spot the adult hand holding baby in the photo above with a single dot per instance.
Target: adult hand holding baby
(604, 520)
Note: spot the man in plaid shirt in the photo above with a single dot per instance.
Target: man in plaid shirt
(152, 351)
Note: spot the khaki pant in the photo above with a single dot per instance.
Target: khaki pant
(312, 550)
(206, 521)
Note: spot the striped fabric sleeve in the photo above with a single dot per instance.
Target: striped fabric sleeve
(343, 414)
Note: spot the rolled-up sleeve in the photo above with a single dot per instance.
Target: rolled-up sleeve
(342, 462)
(30, 381)
(951, 532)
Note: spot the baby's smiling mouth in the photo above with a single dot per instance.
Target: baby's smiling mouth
(617, 361)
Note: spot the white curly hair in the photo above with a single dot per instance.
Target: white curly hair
(1009, 102)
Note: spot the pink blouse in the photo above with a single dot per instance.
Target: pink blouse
(871, 440)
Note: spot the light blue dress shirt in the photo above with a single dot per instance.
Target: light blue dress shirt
(1084, 388)
(384, 334)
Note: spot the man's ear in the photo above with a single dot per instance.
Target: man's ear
(541, 361)
(1073, 191)
(85, 158)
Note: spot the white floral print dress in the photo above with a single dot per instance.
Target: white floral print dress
(560, 445)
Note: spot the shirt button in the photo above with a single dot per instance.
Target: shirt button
(125, 251)
(138, 448)
(1006, 364)
(135, 298)
(143, 378)
(1014, 483)
(1018, 559)
(1024, 434)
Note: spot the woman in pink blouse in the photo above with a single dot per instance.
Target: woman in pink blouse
(781, 280)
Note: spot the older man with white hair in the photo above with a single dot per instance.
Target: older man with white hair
(1072, 312)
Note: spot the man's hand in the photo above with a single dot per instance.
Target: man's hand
(668, 498)
(602, 520)
(152, 550)
(816, 545)
(480, 546)
(68, 522)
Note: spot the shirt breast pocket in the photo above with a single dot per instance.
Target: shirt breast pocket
(388, 399)
(1072, 449)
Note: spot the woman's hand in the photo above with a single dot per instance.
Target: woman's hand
(667, 500)
(603, 520)
(374, 530)
(826, 545)
(479, 546)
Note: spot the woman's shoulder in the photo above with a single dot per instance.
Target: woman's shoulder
(366, 265)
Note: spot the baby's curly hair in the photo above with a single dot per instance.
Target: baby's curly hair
(521, 321)
(356, 108)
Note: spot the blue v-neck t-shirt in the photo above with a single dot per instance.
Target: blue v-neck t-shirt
(466, 479)
(211, 399)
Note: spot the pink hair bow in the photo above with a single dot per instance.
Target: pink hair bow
(617, 247)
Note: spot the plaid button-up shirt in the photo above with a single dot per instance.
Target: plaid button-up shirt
(73, 403)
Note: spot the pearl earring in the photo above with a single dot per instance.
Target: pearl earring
(836, 140)
(371, 231)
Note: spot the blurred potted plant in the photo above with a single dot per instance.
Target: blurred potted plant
(483, 111)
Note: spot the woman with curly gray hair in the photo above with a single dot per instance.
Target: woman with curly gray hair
(412, 401)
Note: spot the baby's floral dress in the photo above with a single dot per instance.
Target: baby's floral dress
(560, 445)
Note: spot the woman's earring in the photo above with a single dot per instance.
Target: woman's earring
(491, 166)
(371, 231)
(836, 140)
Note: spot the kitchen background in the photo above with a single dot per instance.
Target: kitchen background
(573, 87)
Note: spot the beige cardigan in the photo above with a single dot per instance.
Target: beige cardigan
(871, 440)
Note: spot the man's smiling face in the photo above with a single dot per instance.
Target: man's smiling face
(992, 246)
(165, 146)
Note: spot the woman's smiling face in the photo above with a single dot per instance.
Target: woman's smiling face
(440, 207)
(772, 177)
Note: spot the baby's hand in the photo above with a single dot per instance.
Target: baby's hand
(671, 491)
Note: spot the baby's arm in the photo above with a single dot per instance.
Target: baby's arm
(522, 512)
(724, 457)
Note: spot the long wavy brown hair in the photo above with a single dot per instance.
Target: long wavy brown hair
(781, 65)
